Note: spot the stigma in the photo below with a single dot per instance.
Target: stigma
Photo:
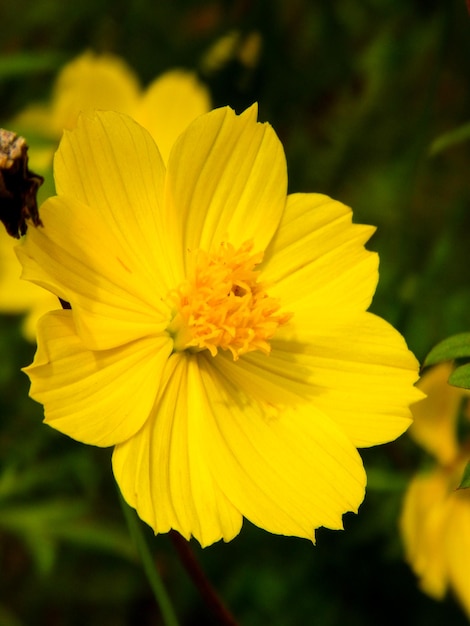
(224, 305)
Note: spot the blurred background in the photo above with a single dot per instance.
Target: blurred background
(370, 100)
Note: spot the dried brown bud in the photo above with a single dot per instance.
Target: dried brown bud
(18, 185)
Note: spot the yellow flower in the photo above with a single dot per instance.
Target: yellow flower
(90, 82)
(435, 521)
(218, 335)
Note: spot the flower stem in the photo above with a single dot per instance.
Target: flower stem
(153, 577)
(199, 578)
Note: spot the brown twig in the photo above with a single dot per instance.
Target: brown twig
(199, 578)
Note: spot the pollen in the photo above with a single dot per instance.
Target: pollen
(224, 305)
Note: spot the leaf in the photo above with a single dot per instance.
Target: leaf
(461, 377)
(26, 63)
(60, 520)
(454, 347)
(449, 139)
(95, 535)
(465, 482)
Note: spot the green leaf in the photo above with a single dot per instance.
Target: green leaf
(454, 347)
(95, 535)
(451, 138)
(26, 63)
(465, 482)
(461, 377)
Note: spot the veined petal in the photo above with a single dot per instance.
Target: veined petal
(112, 165)
(287, 469)
(358, 371)
(435, 417)
(169, 105)
(317, 259)
(102, 397)
(163, 470)
(113, 300)
(227, 177)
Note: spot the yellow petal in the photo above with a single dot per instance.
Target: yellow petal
(164, 471)
(210, 454)
(364, 375)
(288, 468)
(86, 395)
(457, 546)
(19, 296)
(423, 523)
(113, 297)
(355, 366)
(317, 259)
(92, 82)
(112, 165)
(16, 296)
(435, 417)
(358, 371)
(227, 180)
(168, 106)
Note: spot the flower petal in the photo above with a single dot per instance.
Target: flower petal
(16, 296)
(457, 546)
(169, 105)
(227, 178)
(163, 470)
(288, 469)
(423, 522)
(112, 164)
(86, 394)
(317, 259)
(358, 372)
(362, 375)
(113, 300)
(435, 417)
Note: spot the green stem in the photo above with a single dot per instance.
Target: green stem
(159, 591)
(196, 573)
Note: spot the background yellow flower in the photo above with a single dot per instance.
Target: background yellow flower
(18, 296)
(435, 521)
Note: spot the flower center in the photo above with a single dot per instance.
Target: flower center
(224, 305)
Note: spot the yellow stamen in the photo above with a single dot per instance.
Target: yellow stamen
(224, 306)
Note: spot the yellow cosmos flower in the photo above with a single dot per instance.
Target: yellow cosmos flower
(435, 521)
(91, 82)
(218, 336)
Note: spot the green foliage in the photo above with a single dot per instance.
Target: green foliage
(455, 347)
(460, 377)
(26, 64)
(450, 139)
(465, 482)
